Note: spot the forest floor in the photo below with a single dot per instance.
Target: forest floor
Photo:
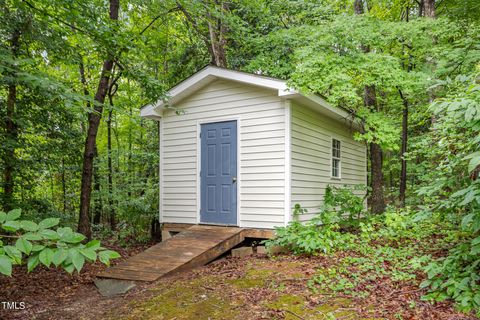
(255, 287)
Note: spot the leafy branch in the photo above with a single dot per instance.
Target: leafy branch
(38, 243)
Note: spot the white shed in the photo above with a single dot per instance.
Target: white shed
(242, 149)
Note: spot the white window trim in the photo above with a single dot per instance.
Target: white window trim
(339, 159)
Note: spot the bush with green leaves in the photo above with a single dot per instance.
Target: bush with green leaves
(38, 243)
(344, 202)
(323, 232)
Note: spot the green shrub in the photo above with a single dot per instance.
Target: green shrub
(39, 244)
(323, 232)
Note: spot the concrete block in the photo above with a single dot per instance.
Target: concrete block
(242, 252)
(166, 235)
(113, 287)
(261, 250)
(277, 250)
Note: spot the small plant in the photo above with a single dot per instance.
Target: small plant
(39, 244)
(344, 202)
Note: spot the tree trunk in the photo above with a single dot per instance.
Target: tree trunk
(110, 169)
(403, 172)
(129, 159)
(376, 200)
(217, 31)
(92, 130)
(358, 7)
(429, 8)
(11, 132)
(97, 209)
(64, 188)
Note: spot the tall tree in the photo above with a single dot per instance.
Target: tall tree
(10, 127)
(376, 199)
(94, 118)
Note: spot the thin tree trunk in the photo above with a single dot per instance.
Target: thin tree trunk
(129, 159)
(376, 200)
(11, 132)
(358, 6)
(217, 31)
(64, 188)
(92, 130)
(403, 172)
(97, 208)
(111, 208)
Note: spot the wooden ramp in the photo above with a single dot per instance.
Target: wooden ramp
(193, 247)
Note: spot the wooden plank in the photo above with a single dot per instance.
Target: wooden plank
(259, 233)
(193, 247)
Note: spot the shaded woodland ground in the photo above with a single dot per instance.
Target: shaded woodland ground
(346, 285)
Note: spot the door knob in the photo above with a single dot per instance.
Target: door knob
(234, 179)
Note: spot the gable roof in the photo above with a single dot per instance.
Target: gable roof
(211, 73)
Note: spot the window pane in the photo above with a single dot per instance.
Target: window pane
(335, 168)
(335, 148)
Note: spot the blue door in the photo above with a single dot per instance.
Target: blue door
(218, 174)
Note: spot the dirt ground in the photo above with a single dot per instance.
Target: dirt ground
(256, 287)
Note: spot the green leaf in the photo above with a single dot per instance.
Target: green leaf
(48, 223)
(29, 225)
(5, 265)
(59, 256)
(476, 241)
(467, 220)
(73, 238)
(37, 247)
(64, 231)
(476, 299)
(69, 268)
(94, 244)
(77, 259)
(24, 245)
(11, 226)
(13, 253)
(475, 250)
(13, 214)
(3, 216)
(32, 236)
(46, 256)
(474, 160)
(49, 234)
(105, 256)
(89, 253)
(67, 235)
(33, 262)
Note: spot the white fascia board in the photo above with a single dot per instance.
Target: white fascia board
(150, 112)
(320, 105)
(209, 74)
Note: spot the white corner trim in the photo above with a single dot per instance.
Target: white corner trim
(160, 171)
(199, 161)
(288, 168)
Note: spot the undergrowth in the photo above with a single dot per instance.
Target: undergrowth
(399, 245)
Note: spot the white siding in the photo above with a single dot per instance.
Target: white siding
(261, 115)
(311, 135)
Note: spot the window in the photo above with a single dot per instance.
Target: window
(335, 158)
